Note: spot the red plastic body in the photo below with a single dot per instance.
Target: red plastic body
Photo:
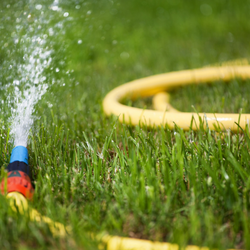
(18, 181)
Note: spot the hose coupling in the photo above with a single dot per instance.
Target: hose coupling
(18, 179)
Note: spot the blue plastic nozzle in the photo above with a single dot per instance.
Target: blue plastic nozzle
(19, 153)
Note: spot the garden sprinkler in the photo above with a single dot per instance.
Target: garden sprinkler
(18, 179)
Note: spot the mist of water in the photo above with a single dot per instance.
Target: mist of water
(33, 80)
(33, 36)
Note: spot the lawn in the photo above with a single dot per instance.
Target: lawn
(97, 175)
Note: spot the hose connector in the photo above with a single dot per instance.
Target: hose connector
(18, 179)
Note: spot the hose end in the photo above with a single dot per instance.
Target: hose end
(19, 153)
(18, 179)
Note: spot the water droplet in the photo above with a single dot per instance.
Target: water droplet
(50, 105)
(89, 12)
(79, 41)
(16, 82)
(66, 14)
(51, 32)
(39, 6)
(55, 8)
(57, 70)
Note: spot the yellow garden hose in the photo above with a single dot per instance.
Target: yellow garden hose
(165, 113)
(20, 204)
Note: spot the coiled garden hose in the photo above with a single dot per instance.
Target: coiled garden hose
(165, 114)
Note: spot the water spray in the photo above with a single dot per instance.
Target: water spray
(18, 179)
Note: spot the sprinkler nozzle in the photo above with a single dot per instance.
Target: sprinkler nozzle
(18, 179)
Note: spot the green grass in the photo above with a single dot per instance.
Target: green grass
(95, 174)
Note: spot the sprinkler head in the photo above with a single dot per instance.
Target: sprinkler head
(18, 179)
